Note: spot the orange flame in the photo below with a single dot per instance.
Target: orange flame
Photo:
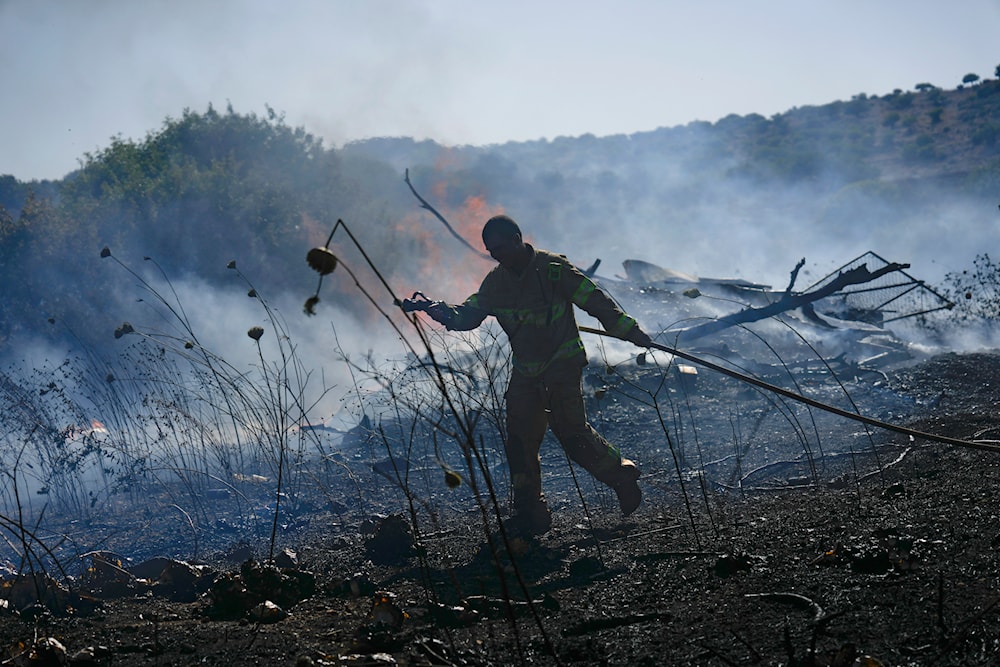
(444, 267)
(434, 261)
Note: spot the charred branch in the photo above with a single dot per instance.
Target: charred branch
(794, 599)
(590, 626)
(589, 272)
(425, 205)
(794, 276)
(788, 301)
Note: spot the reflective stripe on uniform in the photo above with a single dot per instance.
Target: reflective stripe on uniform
(534, 317)
(583, 292)
(568, 349)
(611, 460)
(623, 325)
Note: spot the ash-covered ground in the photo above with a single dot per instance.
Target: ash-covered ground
(769, 534)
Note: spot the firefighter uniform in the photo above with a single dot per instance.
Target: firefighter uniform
(535, 310)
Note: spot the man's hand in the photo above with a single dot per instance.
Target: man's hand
(639, 337)
(440, 312)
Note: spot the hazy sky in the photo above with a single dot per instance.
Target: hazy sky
(74, 73)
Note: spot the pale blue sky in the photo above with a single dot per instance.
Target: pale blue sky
(74, 73)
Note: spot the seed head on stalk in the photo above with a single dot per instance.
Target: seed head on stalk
(452, 479)
(125, 328)
(322, 261)
(311, 302)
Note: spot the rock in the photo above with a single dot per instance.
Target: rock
(267, 612)
(392, 543)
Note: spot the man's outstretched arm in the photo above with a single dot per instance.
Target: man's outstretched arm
(638, 337)
(464, 317)
(585, 294)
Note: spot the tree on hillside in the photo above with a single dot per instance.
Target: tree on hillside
(6, 223)
(970, 78)
(211, 187)
(204, 189)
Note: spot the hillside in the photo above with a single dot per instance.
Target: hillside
(831, 181)
(929, 133)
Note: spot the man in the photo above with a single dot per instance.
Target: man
(531, 294)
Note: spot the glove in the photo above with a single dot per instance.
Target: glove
(440, 312)
(639, 337)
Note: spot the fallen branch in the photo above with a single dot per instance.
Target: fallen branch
(788, 301)
(596, 624)
(898, 460)
(745, 480)
(646, 533)
(664, 555)
(794, 599)
(794, 276)
(966, 628)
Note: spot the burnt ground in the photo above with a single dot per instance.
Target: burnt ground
(880, 550)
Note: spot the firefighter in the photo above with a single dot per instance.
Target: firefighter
(531, 294)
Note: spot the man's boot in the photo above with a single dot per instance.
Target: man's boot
(529, 520)
(627, 488)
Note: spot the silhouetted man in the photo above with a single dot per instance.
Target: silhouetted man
(531, 294)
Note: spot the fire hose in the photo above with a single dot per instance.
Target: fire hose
(742, 377)
(419, 302)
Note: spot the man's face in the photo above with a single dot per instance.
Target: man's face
(504, 249)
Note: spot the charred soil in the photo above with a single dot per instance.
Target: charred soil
(890, 557)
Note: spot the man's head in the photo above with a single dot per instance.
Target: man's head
(501, 225)
(503, 240)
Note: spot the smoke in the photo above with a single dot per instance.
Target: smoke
(312, 351)
(731, 236)
(676, 198)
(652, 197)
